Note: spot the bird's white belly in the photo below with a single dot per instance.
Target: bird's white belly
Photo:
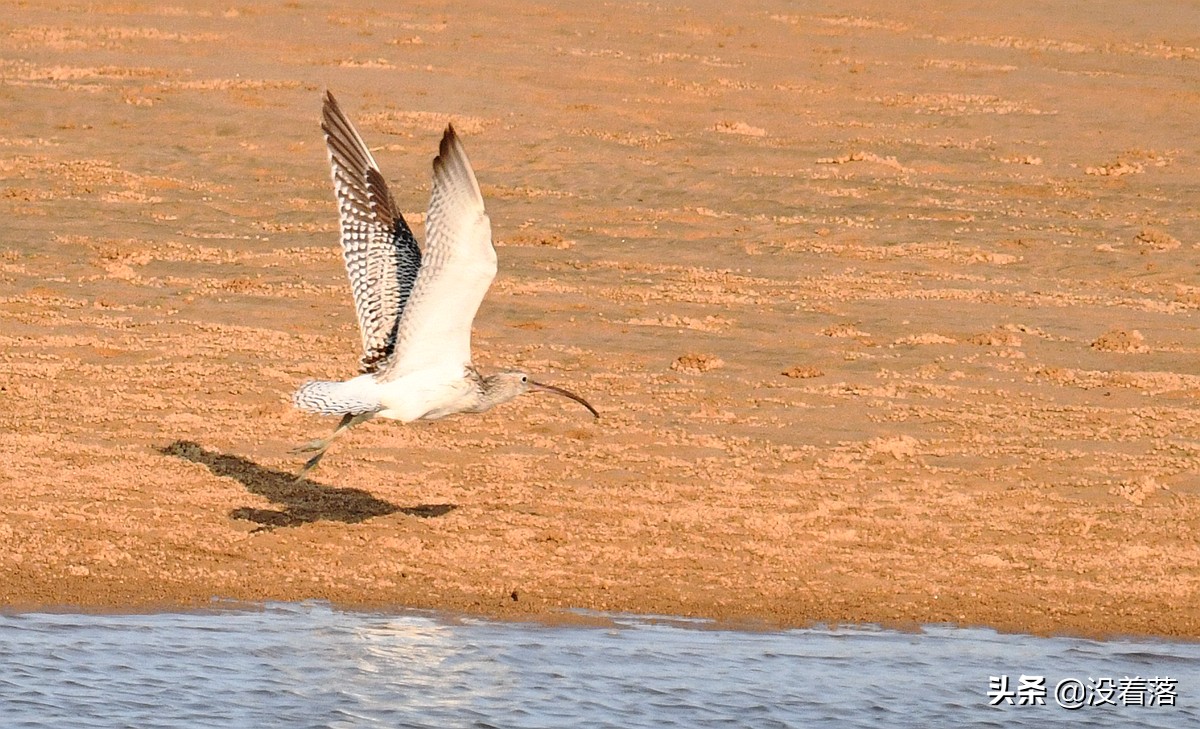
(425, 395)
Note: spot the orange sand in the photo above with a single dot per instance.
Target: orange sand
(891, 312)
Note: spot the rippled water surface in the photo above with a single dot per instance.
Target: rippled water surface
(312, 666)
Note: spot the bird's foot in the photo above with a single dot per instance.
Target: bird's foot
(309, 465)
(316, 444)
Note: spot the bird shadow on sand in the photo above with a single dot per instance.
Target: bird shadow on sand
(303, 502)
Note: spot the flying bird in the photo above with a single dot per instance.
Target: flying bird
(414, 306)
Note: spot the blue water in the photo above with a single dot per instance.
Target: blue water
(309, 665)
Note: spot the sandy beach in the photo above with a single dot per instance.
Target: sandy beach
(891, 313)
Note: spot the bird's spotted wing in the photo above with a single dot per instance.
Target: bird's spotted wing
(457, 268)
(381, 255)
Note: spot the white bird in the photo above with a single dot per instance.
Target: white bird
(414, 308)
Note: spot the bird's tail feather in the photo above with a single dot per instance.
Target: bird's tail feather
(326, 397)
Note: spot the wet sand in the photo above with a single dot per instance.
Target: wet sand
(891, 313)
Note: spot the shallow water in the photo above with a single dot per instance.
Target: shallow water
(309, 665)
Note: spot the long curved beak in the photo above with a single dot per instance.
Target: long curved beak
(536, 386)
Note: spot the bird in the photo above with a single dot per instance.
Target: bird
(414, 306)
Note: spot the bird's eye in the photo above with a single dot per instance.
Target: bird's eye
(524, 378)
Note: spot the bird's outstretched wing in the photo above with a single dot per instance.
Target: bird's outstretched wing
(381, 255)
(457, 268)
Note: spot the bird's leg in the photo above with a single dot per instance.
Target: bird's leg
(320, 445)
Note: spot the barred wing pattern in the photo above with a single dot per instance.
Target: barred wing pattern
(457, 268)
(381, 255)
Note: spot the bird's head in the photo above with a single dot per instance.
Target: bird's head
(507, 385)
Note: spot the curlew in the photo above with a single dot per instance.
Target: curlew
(415, 307)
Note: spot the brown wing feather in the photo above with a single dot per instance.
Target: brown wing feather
(381, 255)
